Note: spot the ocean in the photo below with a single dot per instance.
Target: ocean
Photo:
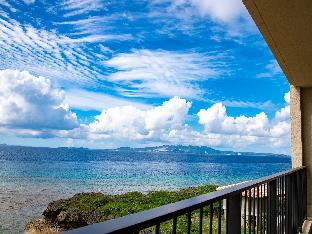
(28, 182)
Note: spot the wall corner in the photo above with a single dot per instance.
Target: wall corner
(296, 126)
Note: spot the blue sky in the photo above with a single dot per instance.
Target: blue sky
(105, 74)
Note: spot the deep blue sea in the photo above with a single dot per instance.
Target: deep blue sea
(28, 184)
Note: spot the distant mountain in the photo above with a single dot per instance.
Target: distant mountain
(6, 150)
(189, 150)
(174, 149)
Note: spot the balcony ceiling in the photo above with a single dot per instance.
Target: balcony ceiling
(287, 28)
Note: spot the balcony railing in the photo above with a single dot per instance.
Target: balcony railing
(273, 204)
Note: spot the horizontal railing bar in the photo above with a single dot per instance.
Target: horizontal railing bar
(154, 216)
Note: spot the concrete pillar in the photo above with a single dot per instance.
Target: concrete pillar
(301, 133)
(296, 127)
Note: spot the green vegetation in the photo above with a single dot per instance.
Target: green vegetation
(86, 208)
(128, 203)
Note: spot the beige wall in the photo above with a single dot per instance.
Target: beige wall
(296, 126)
(301, 133)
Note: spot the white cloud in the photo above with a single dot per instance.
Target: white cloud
(253, 130)
(78, 7)
(267, 105)
(65, 59)
(287, 97)
(94, 26)
(32, 103)
(28, 2)
(167, 124)
(95, 38)
(164, 73)
(216, 120)
(225, 11)
(31, 106)
(229, 16)
(135, 124)
(5, 3)
(281, 121)
(271, 69)
(88, 100)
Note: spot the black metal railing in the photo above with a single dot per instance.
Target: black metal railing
(273, 204)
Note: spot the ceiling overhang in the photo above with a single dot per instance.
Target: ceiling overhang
(286, 25)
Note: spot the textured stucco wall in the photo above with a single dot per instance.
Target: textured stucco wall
(296, 127)
(286, 27)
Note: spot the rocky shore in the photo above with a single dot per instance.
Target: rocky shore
(87, 208)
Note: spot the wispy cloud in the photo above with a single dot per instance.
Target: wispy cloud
(267, 105)
(78, 7)
(48, 53)
(88, 100)
(28, 2)
(165, 73)
(230, 18)
(90, 25)
(271, 70)
(7, 5)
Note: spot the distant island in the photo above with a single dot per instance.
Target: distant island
(6, 150)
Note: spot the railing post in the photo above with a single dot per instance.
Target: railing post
(233, 214)
(272, 208)
(304, 193)
(288, 216)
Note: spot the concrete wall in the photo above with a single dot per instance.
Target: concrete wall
(296, 126)
(301, 133)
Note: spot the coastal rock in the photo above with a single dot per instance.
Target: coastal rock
(69, 213)
(39, 226)
(53, 209)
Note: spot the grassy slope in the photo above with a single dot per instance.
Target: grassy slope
(112, 206)
(128, 203)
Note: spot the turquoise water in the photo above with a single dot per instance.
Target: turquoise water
(29, 183)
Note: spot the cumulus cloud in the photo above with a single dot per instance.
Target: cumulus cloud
(133, 123)
(281, 121)
(167, 124)
(287, 97)
(216, 120)
(31, 106)
(258, 129)
(30, 102)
